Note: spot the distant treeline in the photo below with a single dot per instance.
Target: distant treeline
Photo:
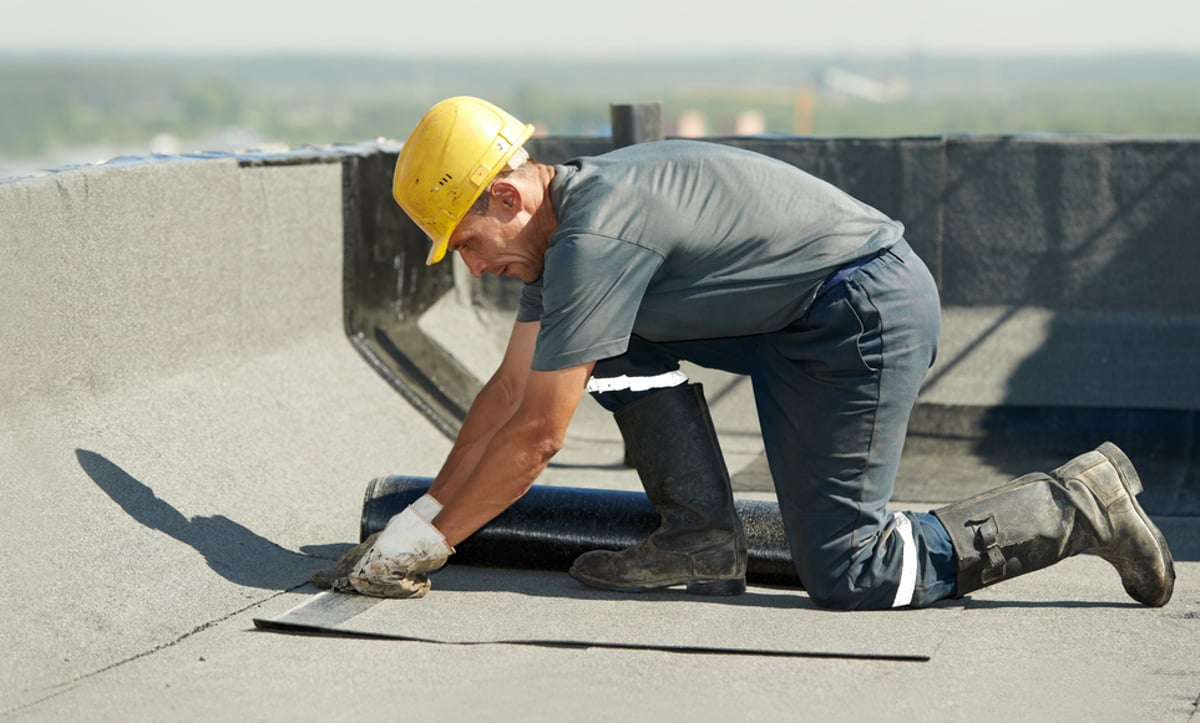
(53, 102)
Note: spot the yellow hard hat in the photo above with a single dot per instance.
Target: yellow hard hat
(456, 149)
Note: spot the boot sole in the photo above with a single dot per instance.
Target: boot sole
(1133, 486)
(713, 588)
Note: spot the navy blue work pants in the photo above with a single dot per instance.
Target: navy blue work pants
(833, 391)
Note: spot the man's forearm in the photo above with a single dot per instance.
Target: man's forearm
(517, 453)
(491, 409)
(505, 470)
(492, 467)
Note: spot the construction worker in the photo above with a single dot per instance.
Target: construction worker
(686, 250)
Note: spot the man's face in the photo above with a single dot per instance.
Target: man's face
(494, 243)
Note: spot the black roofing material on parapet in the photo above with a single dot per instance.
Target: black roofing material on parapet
(386, 288)
(1062, 222)
(1095, 224)
(1097, 232)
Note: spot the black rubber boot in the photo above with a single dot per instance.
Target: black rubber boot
(1088, 504)
(700, 543)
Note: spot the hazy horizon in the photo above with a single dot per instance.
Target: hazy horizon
(83, 81)
(615, 29)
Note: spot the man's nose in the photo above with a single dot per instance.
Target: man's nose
(474, 264)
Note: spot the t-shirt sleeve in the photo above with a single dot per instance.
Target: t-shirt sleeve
(591, 290)
(530, 307)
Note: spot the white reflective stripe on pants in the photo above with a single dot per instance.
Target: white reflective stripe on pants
(908, 562)
(636, 384)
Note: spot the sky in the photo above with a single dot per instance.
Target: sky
(610, 28)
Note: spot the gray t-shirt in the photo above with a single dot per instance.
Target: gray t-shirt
(679, 239)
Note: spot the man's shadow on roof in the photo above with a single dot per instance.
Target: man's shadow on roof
(233, 551)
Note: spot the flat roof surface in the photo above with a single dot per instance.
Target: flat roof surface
(198, 442)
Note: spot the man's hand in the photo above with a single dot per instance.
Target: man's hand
(397, 563)
(337, 578)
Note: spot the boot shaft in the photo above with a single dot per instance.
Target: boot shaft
(1089, 504)
(673, 444)
(1022, 526)
(700, 542)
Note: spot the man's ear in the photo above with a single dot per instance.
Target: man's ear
(506, 195)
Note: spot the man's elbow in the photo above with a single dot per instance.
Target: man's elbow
(541, 440)
(547, 443)
(505, 391)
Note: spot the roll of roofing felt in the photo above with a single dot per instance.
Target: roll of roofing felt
(550, 526)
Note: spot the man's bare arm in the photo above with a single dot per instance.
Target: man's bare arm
(491, 408)
(516, 453)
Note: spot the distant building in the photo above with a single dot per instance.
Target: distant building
(846, 84)
(692, 124)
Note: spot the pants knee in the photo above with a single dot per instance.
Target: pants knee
(833, 594)
(828, 585)
(841, 583)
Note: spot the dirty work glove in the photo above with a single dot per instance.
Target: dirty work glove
(396, 565)
(337, 578)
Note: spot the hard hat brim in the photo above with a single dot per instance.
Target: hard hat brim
(437, 251)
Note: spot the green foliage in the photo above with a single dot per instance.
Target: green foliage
(51, 103)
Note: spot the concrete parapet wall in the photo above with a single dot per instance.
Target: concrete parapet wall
(115, 276)
(1066, 269)
(184, 431)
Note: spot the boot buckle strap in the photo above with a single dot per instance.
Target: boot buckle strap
(987, 542)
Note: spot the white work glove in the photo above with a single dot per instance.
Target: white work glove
(407, 548)
(337, 578)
